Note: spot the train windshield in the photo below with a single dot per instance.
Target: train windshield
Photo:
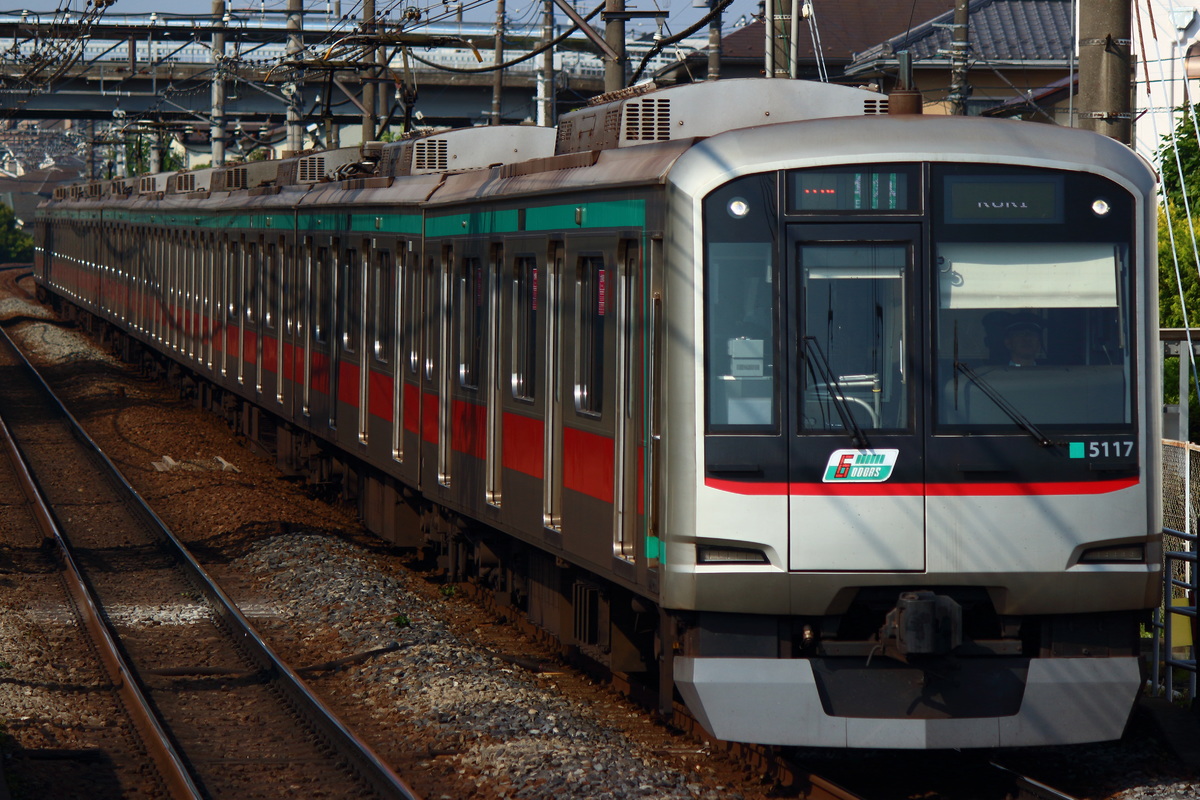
(1031, 302)
(1000, 296)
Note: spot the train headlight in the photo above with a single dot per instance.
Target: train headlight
(1117, 554)
(1100, 207)
(730, 555)
(738, 208)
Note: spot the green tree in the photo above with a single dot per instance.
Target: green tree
(15, 244)
(1178, 270)
(138, 155)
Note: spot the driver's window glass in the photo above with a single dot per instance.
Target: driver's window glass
(740, 305)
(1032, 331)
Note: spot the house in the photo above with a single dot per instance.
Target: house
(842, 28)
(1018, 50)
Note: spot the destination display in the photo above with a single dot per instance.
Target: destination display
(857, 189)
(1003, 199)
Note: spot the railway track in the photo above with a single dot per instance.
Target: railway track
(219, 713)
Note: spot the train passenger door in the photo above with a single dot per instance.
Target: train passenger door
(318, 393)
(855, 445)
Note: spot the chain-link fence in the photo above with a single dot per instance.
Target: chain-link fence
(1175, 622)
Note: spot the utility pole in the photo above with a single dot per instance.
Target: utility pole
(156, 148)
(614, 36)
(216, 131)
(369, 119)
(1105, 68)
(295, 46)
(960, 43)
(383, 92)
(546, 73)
(780, 57)
(714, 44)
(498, 59)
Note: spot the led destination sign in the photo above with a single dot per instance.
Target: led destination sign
(999, 200)
(867, 189)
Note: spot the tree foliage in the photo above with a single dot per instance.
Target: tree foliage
(15, 244)
(1178, 268)
(1180, 152)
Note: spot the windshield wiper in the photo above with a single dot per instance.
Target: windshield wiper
(1005, 406)
(825, 375)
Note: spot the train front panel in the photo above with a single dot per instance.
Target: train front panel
(912, 441)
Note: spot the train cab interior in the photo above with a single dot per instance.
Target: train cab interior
(1059, 356)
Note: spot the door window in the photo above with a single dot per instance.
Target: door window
(852, 338)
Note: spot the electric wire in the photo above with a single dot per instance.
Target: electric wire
(1173, 146)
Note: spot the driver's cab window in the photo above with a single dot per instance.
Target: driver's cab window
(1032, 330)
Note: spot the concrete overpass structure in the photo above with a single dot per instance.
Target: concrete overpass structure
(155, 73)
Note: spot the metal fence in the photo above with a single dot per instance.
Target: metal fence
(1174, 629)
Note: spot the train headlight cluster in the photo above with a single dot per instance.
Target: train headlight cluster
(738, 208)
(730, 555)
(1118, 554)
(1100, 207)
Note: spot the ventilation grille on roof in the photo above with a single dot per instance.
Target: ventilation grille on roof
(430, 154)
(879, 106)
(146, 185)
(612, 123)
(185, 183)
(312, 169)
(566, 130)
(648, 120)
(236, 178)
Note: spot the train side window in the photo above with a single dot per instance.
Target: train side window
(524, 314)
(470, 318)
(271, 307)
(320, 294)
(590, 301)
(232, 284)
(412, 317)
(383, 305)
(349, 290)
(251, 282)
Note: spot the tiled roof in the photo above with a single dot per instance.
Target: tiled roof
(1000, 31)
(844, 27)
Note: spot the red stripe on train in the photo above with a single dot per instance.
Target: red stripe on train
(523, 438)
(919, 489)
(588, 464)
(468, 429)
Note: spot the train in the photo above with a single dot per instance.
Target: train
(837, 423)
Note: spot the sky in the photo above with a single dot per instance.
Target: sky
(681, 13)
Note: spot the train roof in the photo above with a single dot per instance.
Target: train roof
(695, 110)
(632, 137)
(627, 119)
(908, 137)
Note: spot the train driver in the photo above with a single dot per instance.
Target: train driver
(1023, 340)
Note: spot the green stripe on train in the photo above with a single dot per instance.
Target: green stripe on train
(472, 223)
(605, 214)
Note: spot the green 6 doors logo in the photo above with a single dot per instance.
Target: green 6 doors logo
(860, 466)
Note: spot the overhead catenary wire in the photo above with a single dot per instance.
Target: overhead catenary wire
(536, 51)
(659, 44)
(1173, 146)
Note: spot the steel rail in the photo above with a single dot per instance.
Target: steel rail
(170, 764)
(362, 758)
